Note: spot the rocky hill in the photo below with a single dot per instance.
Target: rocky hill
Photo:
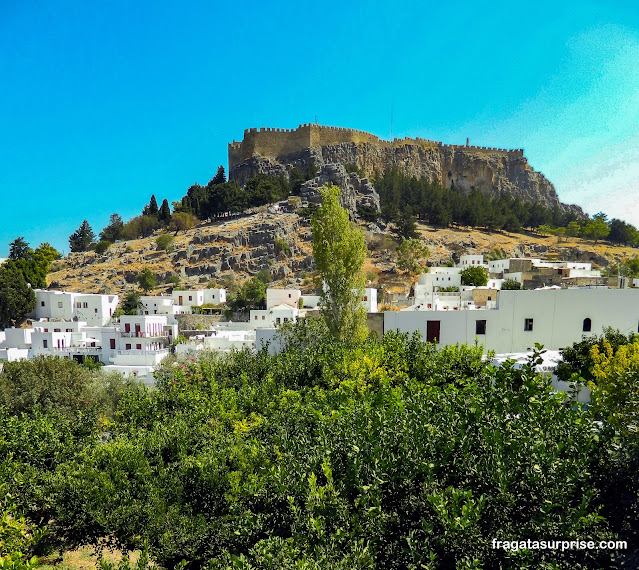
(242, 247)
(491, 170)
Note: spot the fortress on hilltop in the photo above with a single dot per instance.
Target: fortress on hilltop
(273, 143)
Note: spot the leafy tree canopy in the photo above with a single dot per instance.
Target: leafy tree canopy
(112, 232)
(411, 255)
(146, 279)
(476, 276)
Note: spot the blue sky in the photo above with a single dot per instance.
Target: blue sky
(105, 103)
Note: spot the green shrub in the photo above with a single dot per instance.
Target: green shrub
(511, 285)
(165, 242)
(102, 246)
(172, 279)
(281, 246)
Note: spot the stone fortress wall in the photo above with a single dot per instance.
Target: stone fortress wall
(273, 142)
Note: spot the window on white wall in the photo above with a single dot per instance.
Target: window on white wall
(528, 325)
(587, 326)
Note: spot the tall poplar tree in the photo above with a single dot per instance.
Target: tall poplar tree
(339, 251)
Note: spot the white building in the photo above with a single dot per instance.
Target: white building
(221, 339)
(15, 344)
(275, 297)
(466, 261)
(370, 299)
(157, 305)
(185, 299)
(214, 296)
(95, 310)
(555, 318)
(260, 318)
(437, 278)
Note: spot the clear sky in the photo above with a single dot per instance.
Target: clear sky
(104, 103)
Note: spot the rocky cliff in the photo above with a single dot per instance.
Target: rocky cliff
(492, 171)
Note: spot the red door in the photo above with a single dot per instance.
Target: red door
(137, 330)
(432, 331)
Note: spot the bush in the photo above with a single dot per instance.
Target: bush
(281, 246)
(172, 279)
(264, 276)
(165, 242)
(510, 285)
(146, 279)
(389, 455)
(102, 246)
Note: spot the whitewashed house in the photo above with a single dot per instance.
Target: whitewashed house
(266, 318)
(471, 260)
(95, 310)
(275, 297)
(185, 299)
(158, 305)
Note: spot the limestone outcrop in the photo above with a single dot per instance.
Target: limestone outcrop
(356, 191)
(490, 170)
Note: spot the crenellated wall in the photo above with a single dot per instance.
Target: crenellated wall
(273, 142)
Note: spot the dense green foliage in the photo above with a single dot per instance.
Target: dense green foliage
(165, 242)
(412, 255)
(476, 276)
(381, 455)
(130, 304)
(577, 359)
(251, 295)
(403, 198)
(17, 298)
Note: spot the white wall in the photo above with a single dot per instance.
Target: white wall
(276, 297)
(558, 317)
(214, 296)
(187, 298)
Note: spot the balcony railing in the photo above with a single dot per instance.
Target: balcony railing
(138, 352)
(142, 334)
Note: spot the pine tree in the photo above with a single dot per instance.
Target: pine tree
(112, 231)
(82, 238)
(220, 176)
(153, 206)
(164, 215)
(19, 249)
(17, 298)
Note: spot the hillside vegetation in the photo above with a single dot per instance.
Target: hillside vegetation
(246, 245)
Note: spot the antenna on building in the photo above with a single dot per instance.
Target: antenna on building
(316, 119)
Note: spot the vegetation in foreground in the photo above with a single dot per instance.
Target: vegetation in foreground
(392, 454)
